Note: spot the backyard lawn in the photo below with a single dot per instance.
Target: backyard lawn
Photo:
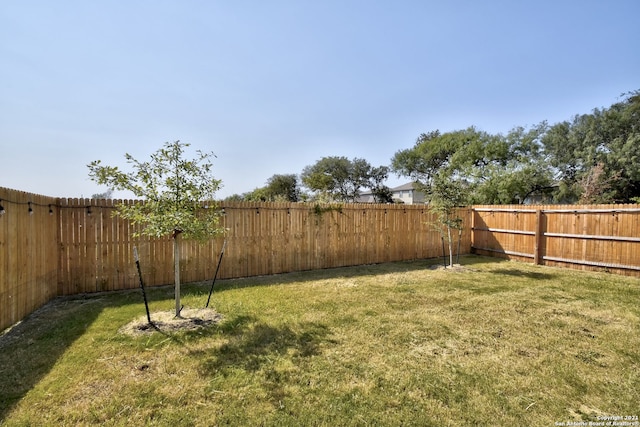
(492, 343)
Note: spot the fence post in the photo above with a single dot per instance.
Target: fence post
(539, 235)
(472, 234)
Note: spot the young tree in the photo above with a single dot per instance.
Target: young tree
(436, 164)
(446, 196)
(178, 197)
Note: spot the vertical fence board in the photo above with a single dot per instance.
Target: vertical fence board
(6, 273)
(118, 256)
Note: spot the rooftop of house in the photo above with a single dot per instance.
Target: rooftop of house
(367, 196)
(403, 187)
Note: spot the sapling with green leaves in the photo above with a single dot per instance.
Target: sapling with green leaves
(438, 164)
(446, 196)
(177, 193)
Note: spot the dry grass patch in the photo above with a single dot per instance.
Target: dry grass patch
(190, 319)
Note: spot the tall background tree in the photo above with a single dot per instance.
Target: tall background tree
(340, 179)
(284, 188)
(601, 149)
(178, 197)
(381, 192)
(592, 158)
(491, 169)
(279, 188)
(511, 169)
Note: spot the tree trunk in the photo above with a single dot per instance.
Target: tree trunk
(176, 268)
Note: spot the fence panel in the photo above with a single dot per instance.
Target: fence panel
(262, 238)
(593, 237)
(505, 230)
(28, 253)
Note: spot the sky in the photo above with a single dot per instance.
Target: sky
(273, 86)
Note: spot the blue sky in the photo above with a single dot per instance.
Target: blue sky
(273, 86)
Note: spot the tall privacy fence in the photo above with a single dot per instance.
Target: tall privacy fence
(53, 246)
(56, 246)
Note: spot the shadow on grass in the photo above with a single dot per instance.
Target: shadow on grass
(250, 345)
(526, 274)
(30, 349)
(254, 348)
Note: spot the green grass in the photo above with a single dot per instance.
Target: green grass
(500, 343)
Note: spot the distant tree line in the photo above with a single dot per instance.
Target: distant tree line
(330, 179)
(592, 158)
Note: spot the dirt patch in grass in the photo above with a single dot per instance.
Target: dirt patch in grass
(456, 268)
(166, 321)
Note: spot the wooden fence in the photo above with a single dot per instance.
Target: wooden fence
(52, 247)
(593, 237)
(262, 238)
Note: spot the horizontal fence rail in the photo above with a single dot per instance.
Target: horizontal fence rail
(56, 246)
(583, 237)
